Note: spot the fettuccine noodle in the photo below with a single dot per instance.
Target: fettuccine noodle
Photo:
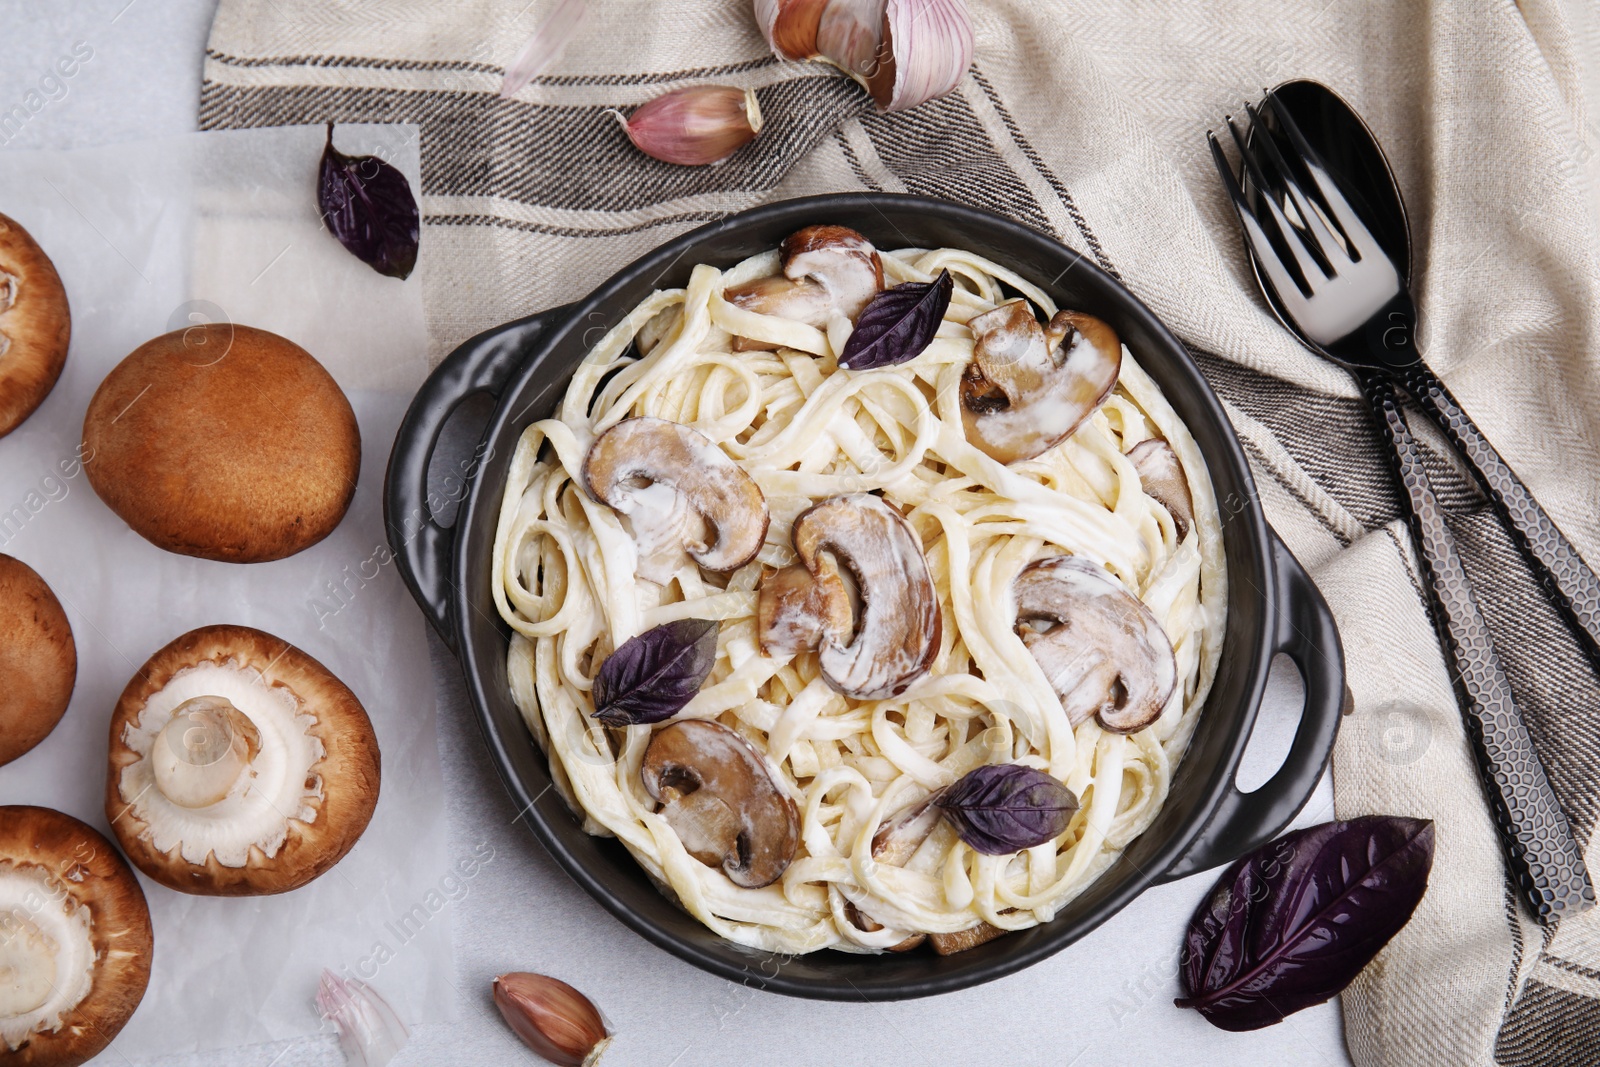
(564, 580)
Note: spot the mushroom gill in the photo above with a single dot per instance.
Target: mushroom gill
(680, 493)
(1028, 387)
(1103, 651)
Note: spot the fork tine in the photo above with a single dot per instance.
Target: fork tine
(1289, 289)
(1359, 239)
(1297, 243)
(1327, 244)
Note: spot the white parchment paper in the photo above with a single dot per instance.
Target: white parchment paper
(154, 236)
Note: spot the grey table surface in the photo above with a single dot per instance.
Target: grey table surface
(1105, 1000)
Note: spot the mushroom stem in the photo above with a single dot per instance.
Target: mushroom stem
(202, 753)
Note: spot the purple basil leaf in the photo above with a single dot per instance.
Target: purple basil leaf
(652, 676)
(368, 206)
(1294, 922)
(898, 324)
(1001, 808)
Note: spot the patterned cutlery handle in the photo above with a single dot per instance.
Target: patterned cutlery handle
(1566, 577)
(1539, 845)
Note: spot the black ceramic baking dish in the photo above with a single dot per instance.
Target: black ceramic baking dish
(1273, 606)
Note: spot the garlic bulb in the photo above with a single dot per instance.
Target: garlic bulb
(905, 52)
(370, 1033)
(694, 126)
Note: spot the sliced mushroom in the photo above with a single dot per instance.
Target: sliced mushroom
(1030, 387)
(898, 839)
(897, 627)
(828, 271)
(795, 611)
(718, 796)
(961, 940)
(1103, 651)
(1162, 477)
(654, 331)
(680, 493)
(865, 922)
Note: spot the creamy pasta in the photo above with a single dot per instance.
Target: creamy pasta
(567, 578)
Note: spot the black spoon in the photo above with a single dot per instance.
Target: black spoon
(1301, 124)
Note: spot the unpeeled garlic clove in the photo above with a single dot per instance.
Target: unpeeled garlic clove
(549, 40)
(930, 43)
(370, 1033)
(850, 36)
(695, 126)
(552, 1018)
(791, 26)
(905, 52)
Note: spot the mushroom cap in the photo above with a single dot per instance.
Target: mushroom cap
(38, 659)
(349, 768)
(1028, 388)
(223, 442)
(79, 862)
(35, 325)
(899, 627)
(685, 460)
(719, 797)
(1106, 655)
(1162, 477)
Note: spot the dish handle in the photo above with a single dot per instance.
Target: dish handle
(422, 548)
(1244, 822)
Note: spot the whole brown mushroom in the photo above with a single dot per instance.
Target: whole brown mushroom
(223, 442)
(239, 765)
(38, 659)
(35, 325)
(75, 940)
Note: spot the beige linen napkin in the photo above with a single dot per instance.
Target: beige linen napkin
(1087, 120)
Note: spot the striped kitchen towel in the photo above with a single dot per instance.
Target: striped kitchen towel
(1087, 121)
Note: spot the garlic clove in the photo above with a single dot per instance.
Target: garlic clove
(695, 126)
(552, 1018)
(850, 35)
(790, 26)
(370, 1033)
(550, 38)
(931, 45)
(905, 52)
